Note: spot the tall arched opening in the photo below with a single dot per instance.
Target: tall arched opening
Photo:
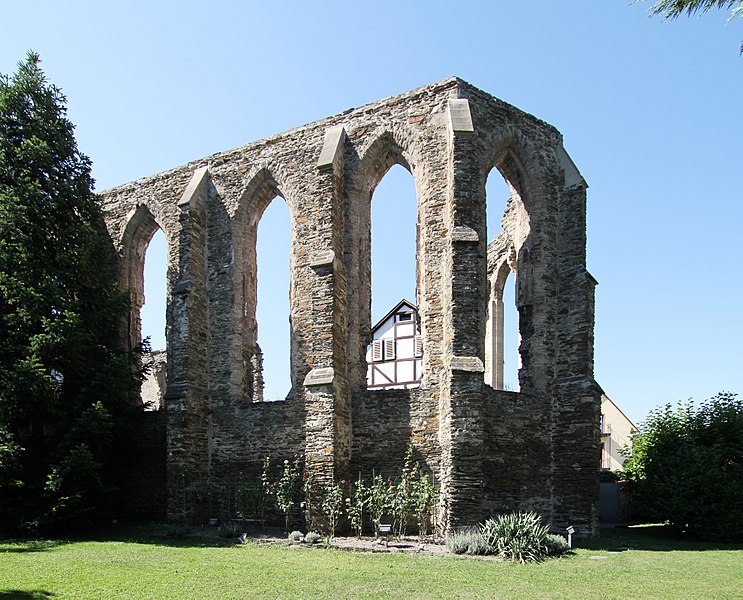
(145, 267)
(263, 290)
(272, 309)
(394, 356)
(507, 229)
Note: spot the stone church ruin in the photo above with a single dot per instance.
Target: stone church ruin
(489, 450)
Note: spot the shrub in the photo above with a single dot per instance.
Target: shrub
(556, 544)
(312, 537)
(227, 530)
(468, 541)
(686, 467)
(403, 501)
(296, 536)
(287, 490)
(516, 536)
(308, 488)
(458, 542)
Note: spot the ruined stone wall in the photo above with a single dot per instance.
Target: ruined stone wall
(449, 135)
(518, 459)
(385, 423)
(154, 386)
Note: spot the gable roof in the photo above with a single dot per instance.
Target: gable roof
(621, 412)
(396, 309)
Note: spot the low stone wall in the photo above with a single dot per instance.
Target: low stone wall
(384, 423)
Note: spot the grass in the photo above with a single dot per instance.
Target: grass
(657, 566)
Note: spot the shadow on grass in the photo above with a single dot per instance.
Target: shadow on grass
(149, 533)
(29, 546)
(28, 595)
(660, 538)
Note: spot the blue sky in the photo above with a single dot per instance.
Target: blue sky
(650, 112)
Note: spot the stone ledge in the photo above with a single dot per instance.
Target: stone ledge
(325, 258)
(573, 177)
(462, 233)
(319, 376)
(460, 118)
(182, 287)
(332, 147)
(194, 189)
(467, 363)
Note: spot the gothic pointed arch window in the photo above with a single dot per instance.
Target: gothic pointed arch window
(145, 265)
(273, 245)
(394, 357)
(263, 295)
(502, 358)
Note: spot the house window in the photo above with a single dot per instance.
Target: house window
(405, 317)
(383, 350)
(604, 458)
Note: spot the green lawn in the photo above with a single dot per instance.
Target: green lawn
(656, 566)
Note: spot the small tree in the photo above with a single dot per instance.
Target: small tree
(686, 467)
(402, 499)
(424, 499)
(380, 500)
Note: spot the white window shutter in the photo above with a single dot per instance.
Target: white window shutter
(389, 349)
(376, 350)
(418, 346)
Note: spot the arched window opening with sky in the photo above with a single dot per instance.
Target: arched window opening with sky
(394, 214)
(273, 249)
(507, 336)
(152, 313)
(394, 357)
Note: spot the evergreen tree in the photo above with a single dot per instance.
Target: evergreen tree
(63, 383)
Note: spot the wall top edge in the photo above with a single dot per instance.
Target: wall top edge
(447, 88)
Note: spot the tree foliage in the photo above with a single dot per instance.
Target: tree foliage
(62, 379)
(670, 9)
(686, 467)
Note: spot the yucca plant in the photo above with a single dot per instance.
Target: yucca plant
(517, 536)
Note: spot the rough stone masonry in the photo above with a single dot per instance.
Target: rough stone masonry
(489, 450)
